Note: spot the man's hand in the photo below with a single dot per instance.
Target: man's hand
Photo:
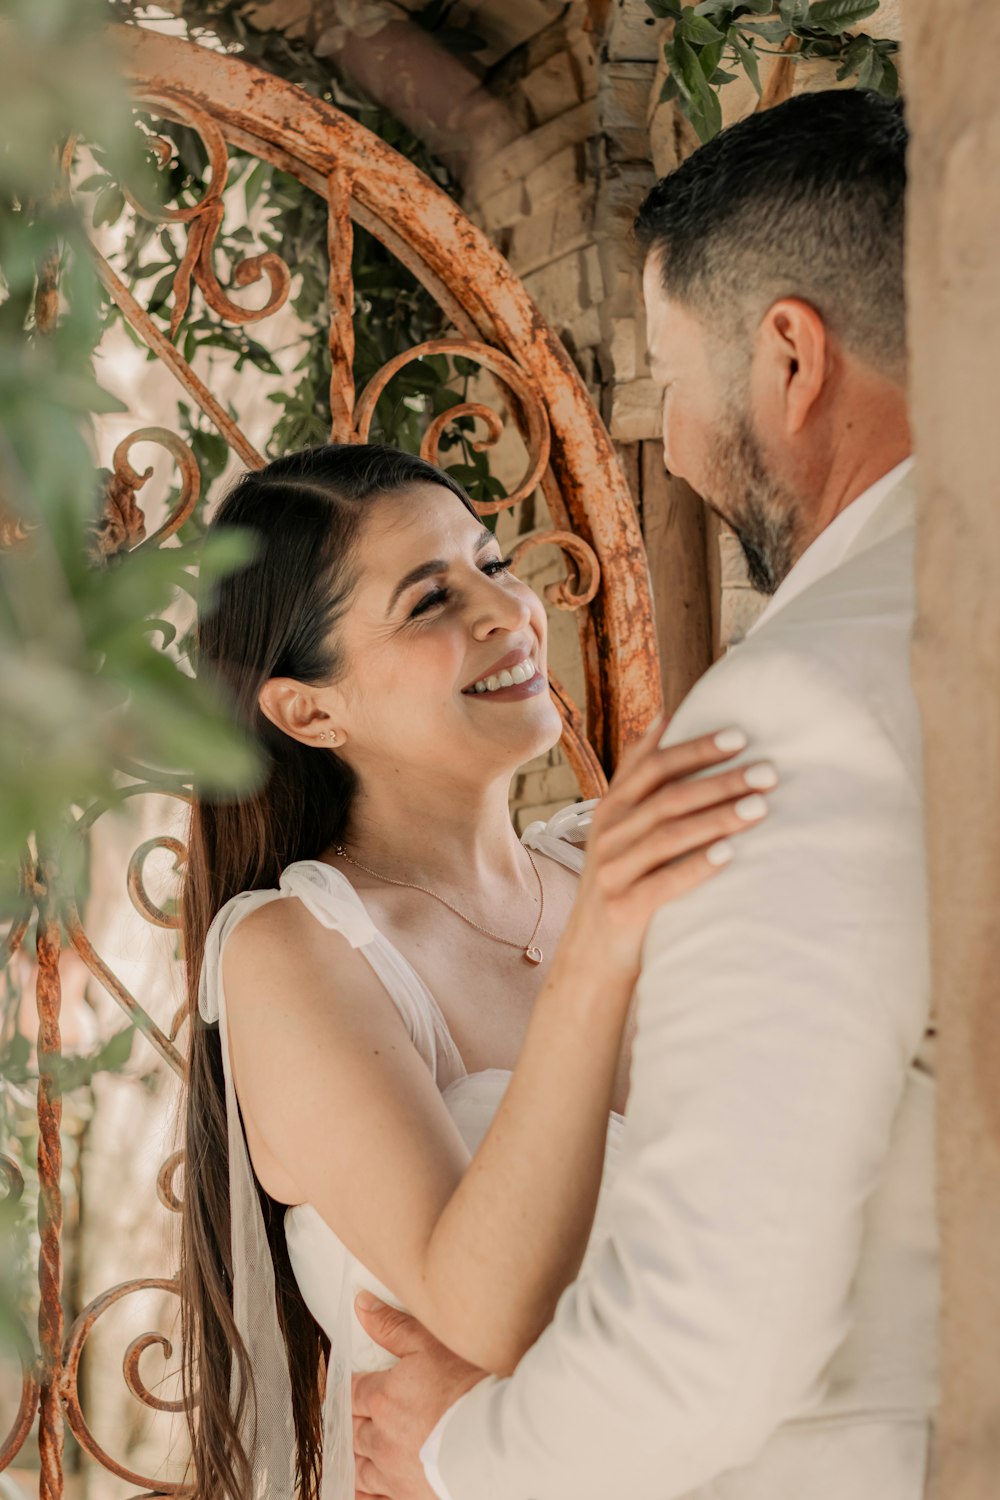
(396, 1411)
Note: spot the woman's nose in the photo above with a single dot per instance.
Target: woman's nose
(499, 607)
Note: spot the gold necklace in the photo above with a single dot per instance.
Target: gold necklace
(532, 953)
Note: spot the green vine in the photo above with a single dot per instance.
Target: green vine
(713, 43)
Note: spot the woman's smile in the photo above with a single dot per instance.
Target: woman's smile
(514, 676)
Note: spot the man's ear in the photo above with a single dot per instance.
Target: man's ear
(795, 345)
(293, 707)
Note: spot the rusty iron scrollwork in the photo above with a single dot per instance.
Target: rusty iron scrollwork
(75, 1342)
(510, 375)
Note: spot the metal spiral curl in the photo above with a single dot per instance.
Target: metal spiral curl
(186, 462)
(537, 437)
(69, 1386)
(171, 106)
(165, 1189)
(584, 576)
(138, 895)
(205, 221)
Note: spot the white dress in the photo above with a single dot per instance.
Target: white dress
(329, 1277)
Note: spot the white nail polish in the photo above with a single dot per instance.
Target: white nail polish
(720, 853)
(761, 777)
(750, 808)
(731, 740)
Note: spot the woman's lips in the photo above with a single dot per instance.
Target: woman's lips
(513, 694)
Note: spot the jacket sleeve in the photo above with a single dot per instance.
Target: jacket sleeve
(779, 1008)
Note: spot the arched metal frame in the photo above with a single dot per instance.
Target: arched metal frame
(570, 457)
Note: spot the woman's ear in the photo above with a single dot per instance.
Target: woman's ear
(293, 708)
(796, 347)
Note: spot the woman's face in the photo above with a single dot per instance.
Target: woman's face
(434, 613)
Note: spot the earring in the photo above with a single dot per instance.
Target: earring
(326, 735)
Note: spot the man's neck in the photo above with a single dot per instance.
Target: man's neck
(850, 476)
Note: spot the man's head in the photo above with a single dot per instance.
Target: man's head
(773, 283)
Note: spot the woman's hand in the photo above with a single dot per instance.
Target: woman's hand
(660, 832)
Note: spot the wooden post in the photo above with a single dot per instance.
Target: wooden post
(674, 528)
(954, 297)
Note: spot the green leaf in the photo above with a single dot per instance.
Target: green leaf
(14, 1060)
(702, 103)
(747, 57)
(870, 72)
(697, 29)
(109, 206)
(889, 85)
(116, 1052)
(793, 12)
(837, 16)
(160, 292)
(709, 58)
(854, 55)
(768, 31)
(255, 183)
(262, 358)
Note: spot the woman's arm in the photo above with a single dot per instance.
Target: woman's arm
(339, 1106)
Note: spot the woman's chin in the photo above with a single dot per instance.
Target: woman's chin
(545, 738)
(517, 732)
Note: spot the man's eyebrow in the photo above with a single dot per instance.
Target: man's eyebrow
(435, 565)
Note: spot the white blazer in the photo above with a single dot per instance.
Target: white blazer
(760, 1322)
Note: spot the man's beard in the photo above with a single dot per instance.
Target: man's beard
(754, 502)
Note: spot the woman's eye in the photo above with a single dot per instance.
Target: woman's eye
(436, 596)
(492, 569)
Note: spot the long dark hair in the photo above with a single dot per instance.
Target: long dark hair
(275, 617)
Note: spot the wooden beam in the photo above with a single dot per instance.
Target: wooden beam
(675, 530)
(954, 302)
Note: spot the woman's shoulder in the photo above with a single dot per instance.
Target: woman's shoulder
(293, 940)
(311, 900)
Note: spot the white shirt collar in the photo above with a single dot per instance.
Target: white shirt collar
(832, 545)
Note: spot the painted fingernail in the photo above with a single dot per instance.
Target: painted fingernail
(762, 776)
(750, 808)
(731, 739)
(720, 853)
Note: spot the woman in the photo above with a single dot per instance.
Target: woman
(425, 1033)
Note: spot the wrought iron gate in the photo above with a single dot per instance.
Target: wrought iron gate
(570, 458)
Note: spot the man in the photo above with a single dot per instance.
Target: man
(760, 1321)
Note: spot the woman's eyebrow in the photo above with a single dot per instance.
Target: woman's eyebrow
(435, 565)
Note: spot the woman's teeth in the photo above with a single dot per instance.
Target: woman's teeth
(512, 677)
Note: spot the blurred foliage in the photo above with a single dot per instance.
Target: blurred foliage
(269, 209)
(86, 689)
(712, 43)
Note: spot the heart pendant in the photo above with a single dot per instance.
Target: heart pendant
(533, 955)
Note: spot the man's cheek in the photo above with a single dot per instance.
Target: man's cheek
(682, 445)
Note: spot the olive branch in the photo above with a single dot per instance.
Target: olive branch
(714, 42)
